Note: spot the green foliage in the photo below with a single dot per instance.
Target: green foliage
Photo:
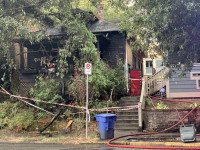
(46, 89)
(171, 27)
(161, 105)
(104, 79)
(8, 111)
(41, 115)
(22, 121)
(148, 101)
(77, 88)
(17, 17)
(193, 105)
(102, 82)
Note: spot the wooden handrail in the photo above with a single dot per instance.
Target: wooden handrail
(141, 104)
(156, 82)
(150, 85)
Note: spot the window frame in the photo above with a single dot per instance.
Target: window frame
(144, 65)
(196, 77)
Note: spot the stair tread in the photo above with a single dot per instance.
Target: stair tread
(122, 123)
(127, 119)
(122, 115)
(127, 128)
(132, 110)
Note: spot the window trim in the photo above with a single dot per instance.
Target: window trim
(198, 84)
(197, 78)
(144, 65)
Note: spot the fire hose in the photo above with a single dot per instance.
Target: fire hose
(150, 147)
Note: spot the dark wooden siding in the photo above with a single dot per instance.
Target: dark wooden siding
(112, 48)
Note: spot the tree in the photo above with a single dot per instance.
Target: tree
(172, 26)
(18, 16)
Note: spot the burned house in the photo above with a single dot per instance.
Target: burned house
(38, 58)
(32, 59)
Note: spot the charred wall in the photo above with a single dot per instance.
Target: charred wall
(112, 45)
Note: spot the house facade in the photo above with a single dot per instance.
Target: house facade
(187, 86)
(31, 59)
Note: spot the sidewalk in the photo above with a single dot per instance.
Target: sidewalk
(158, 140)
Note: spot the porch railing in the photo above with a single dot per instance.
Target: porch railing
(156, 81)
(149, 86)
(141, 104)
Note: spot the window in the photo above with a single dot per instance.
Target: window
(148, 66)
(152, 65)
(195, 76)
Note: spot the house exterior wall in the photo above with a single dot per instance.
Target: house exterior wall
(116, 48)
(187, 86)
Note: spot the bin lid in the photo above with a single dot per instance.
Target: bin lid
(105, 115)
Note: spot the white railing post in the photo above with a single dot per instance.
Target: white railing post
(141, 104)
(140, 116)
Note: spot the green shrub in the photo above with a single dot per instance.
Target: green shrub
(22, 121)
(161, 105)
(104, 79)
(46, 89)
(7, 111)
(193, 105)
(148, 101)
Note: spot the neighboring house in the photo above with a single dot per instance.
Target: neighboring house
(185, 87)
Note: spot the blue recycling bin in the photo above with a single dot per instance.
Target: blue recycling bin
(106, 125)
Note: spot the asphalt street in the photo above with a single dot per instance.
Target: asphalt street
(16, 146)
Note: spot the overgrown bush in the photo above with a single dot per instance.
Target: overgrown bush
(46, 89)
(104, 79)
(77, 88)
(22, 121)
(102, 82)
(15, 117)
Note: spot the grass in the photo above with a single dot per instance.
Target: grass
(93, 135)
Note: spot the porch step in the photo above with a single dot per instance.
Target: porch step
(119, 117)
(127, 120)
(126, 126)
(128, 113)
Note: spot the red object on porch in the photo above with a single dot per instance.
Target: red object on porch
(135, 84)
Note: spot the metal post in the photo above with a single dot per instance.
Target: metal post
(87, 107)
